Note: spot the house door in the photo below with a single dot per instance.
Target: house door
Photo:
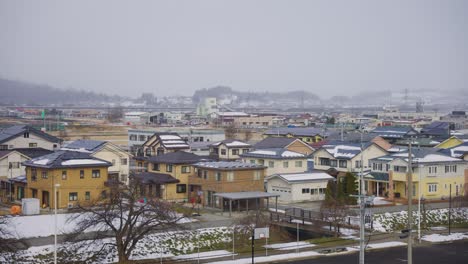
(20, 193)
(45, 199)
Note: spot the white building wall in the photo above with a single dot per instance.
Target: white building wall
(5, 171)
(22, 142)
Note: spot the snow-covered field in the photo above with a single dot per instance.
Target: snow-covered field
(389, 222)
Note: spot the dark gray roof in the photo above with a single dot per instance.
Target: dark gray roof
(377, 176)
(86, 144)
(296, 131)
(17, 130)
(4, 152)
(154, 178)
(274, 142)
(66, 159)
(33, 152)
(350, 136)
(178, 157)
(228, 165)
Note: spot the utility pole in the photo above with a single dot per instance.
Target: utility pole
(450, 209)
(410, 203)
(361, 201)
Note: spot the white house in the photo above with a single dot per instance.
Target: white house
(229, 149)
(277, 160)
(23, 136)
(296, 187)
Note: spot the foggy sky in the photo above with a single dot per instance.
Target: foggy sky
(175, 47)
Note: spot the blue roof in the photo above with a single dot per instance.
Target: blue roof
(14, 131)
(86, 144)
(65, 159)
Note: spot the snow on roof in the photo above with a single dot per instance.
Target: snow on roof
(232, 114)
(170, 137)
(343, 151)
(290, 154)
(435, 158)
(275, 153)
(263, 152)
(41, 161)
(81, 162)
(306, 176)
(237, 144)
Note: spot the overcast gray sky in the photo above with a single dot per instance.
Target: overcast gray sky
(175, 47)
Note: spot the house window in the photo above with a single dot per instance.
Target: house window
(26, 135)
(218, 176)
(313, 191)
(230, 176)
(73, 196)
(3, 147)
(44, 174)
(123, 161)
(245, 150)
(33, 174)
(156, 166)
(432, 187)
(432, 169)
(450, 168)
(357, 164)
(305, 190)
(271, 164)
(64, 175)
(285, 164)
(257, 175)
(34, 193)
(333, 163)
(252, 161)
(261, 162)
(133, 137)
(205, 174)
(387, 167)
(298, 163)
(142, 137)
(181, 188)
(160, 151)
(81, 174)
(399, 168)
(185, 169)
(87, 196)
(96, 173)
(223, 152)
(343, 163)
(322, 190)
(14, 165)
(199, 173)
(33, 145)
(235, 152)
(169, 167)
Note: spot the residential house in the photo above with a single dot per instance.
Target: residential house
(161, 143)
(225, 177)
(107, 151)
(229, 149)
(23, 136)
(306, 134)
(277, 160)
(450, 142)
(291, 144)
(167, 176)
(346, 157)
(82, 178)
(433, 173)
(227, 118)
(299, 187)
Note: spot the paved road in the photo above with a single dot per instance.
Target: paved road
(452, 253)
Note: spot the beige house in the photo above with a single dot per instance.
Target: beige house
(161, 143)
(23, 136)
(277, 161)
(119, 158)
(229, 149)
(346, 157)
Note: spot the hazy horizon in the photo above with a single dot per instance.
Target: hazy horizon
(176, 47)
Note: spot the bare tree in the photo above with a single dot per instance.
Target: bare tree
(114, 114)
(8, 244)
(126, 217)
(333, 208)
(230, 131)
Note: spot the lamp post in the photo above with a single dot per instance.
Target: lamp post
(57, 185)
(419, 203)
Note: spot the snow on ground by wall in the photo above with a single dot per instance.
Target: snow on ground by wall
(205, 255)
(443, 238)
(380, 201)
(290, 245)
(386, 244)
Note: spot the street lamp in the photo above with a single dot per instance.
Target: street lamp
(420, 166)
(57, 185)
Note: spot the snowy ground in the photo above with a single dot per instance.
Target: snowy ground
(444, 238)
(290, 245)
(381, 201)
(205, 255)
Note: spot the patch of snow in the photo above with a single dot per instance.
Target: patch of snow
(443, 238)
(41, 161)
(263, 152)
(387, 244)
(205, 255)
(290, 245)
(291, 154)
(169, 137)
(270, 259)
(237, 144)
(82, 162)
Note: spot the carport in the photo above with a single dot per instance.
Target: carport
(246, 196)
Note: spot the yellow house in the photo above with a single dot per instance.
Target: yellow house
(451, 142)
(77, 176)
(306, 134)
(168, 176)
(433, 174)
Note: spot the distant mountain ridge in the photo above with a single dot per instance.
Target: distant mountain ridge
(20, 93)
